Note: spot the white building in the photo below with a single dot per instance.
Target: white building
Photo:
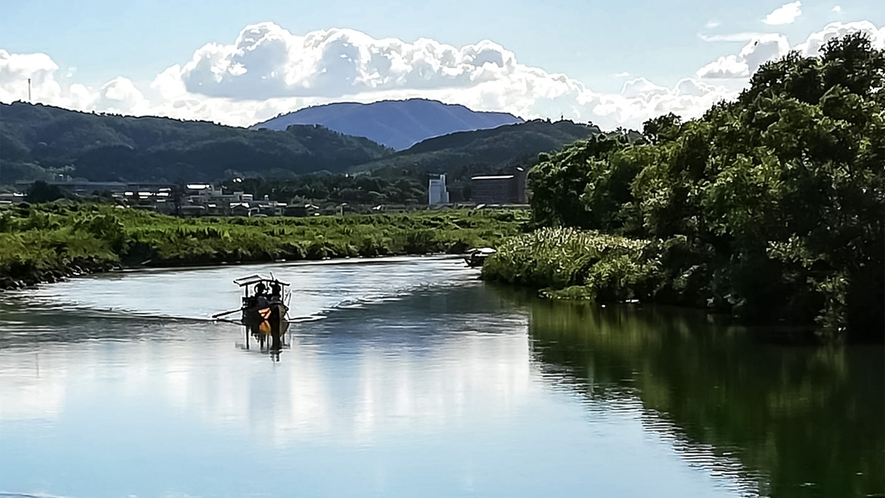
(436, 191)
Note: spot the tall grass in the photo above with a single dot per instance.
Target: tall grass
(50, 239)
(575, 264)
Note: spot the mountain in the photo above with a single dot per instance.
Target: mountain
(481, 151)
(398, 124)
(38, 141)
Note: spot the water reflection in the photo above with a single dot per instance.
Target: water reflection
(788, 421)
(419, 380)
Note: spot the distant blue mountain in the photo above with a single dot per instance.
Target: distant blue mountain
(398, 124)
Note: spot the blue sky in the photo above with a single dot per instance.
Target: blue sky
(600, 45)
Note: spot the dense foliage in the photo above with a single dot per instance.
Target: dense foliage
(39, 242)
(770, 207)
(38, 141)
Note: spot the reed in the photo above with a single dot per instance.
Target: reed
(574, 264)
(50, 241)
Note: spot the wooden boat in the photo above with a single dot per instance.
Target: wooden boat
(476, 257)
(265, 299)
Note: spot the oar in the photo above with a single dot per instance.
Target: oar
(216, 315)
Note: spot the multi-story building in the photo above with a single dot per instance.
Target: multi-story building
(436, 191)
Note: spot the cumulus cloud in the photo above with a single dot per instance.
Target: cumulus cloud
(818, 39)
(784, 14)
(267, 61)
(17, 69)
(267, 71)
(758, 51)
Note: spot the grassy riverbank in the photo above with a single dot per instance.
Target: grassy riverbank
(567, 263)
(575, 264)
(46, 242)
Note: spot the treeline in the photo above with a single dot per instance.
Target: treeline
(40, 141)
(318, 188)
(50, 241)
(771, 207)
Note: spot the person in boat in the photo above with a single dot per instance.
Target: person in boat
(260, 298)
(275, 290)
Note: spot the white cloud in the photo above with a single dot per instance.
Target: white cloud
(16, 69)
(267, 71)
(837, 9)
(817, 40)
(725, 67)
(121, 96)
(784, 14)
(712, 23)
(758, 51)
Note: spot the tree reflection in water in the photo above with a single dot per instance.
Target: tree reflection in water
(800, 420)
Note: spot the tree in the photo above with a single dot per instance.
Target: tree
(41, 191)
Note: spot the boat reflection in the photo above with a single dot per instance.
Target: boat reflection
(271, 335)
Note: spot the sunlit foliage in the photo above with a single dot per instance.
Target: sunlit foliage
(40, 240)
(771, 207)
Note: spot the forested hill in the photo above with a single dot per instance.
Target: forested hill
(395, 123)
(37, 141)
(487, 149)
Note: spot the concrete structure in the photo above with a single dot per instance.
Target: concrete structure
(499, 189)
(436, 191)
(212, 201)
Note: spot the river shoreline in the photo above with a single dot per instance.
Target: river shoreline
(88, 267)
(51, 242)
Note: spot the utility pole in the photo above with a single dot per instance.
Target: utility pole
(29, 90)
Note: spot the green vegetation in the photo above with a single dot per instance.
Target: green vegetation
(39, 141)
(769, 208)
(46, 242)
(570, 263)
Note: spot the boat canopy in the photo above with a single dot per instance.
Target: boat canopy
(254, 279)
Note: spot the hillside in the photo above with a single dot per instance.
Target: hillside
(398, 124)
(37, 141)
(486, 150)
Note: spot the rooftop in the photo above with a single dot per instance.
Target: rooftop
(492, 177)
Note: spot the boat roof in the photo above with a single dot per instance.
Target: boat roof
(254, 279)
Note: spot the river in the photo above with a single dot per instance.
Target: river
(410, 377)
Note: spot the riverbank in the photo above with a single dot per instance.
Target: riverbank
(572, 264)
(49, 242)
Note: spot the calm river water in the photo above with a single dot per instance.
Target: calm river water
(416, 379)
